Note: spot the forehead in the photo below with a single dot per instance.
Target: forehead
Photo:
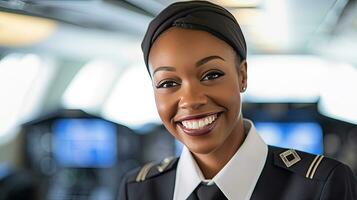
(185, 46)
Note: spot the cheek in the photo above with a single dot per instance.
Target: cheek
(165, 107)
(235, 99)
(228, 95)
(235, 104)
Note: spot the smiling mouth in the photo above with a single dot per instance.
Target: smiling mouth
(199, 126)
(199, 123)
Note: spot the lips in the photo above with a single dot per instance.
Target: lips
(198, 125)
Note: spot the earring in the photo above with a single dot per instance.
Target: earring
(243, 89)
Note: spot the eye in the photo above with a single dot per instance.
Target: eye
(212, 75)
(167, 84)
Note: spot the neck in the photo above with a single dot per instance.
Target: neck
(211, 163)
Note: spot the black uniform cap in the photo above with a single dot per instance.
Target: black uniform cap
(200, 15)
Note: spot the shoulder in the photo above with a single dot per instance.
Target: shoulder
(151, 170)
(309, 166)
(148, 181)
(302, 175)
(331, 178)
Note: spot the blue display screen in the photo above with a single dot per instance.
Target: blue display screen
(304, 136)
(84, 143)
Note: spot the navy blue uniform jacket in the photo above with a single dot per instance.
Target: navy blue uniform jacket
(331, 180)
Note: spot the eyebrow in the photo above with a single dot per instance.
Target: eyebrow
(198, 63)
(207, 59)
(164, 68)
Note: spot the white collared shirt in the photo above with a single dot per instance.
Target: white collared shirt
(238, 177)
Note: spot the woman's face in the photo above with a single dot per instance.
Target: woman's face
(197, 80)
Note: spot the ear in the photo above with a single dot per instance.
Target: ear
(242, 75)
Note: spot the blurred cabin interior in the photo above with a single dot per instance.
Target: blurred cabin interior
(76, 103)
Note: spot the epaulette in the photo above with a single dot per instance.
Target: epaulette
(314, 167)
(152, 169)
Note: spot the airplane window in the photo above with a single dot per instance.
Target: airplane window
(132, 101)
(23, 78)
(278, 78)
(91, 85)
(339, 96)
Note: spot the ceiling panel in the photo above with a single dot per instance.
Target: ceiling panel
(277, 26)
(270, 26)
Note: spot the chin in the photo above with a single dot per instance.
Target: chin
(201, 147)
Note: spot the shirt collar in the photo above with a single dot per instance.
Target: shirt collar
(238, 177)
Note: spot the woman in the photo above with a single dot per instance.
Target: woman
(195, 54)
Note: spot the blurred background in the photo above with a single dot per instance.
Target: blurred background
(76, 103)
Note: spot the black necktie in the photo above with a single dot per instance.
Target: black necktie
(207, 192)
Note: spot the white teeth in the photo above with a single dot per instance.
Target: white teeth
(199, 123)
(195, 125)
(210, 119)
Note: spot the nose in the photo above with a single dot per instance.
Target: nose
(192, 97)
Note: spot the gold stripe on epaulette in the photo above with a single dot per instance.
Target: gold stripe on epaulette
(164, 164)
(143, 172)
(313, 166)
(138, 177)
(317, 164)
